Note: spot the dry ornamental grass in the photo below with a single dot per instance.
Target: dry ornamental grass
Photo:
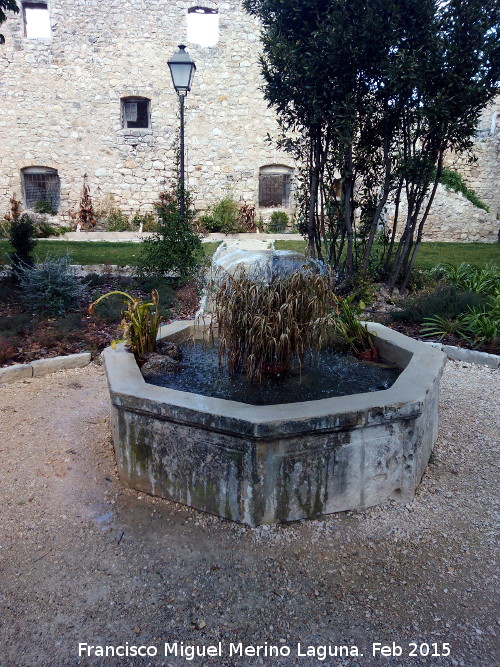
(264, 326)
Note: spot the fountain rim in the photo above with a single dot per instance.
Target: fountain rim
(422, 366)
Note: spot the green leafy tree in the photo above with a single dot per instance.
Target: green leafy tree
(10, 6)
(369, 96)
(175, 248)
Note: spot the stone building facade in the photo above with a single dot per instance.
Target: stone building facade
(452, 216)
(64, 100)
(87, 90)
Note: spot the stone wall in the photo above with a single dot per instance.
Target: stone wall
(483, 174)
(61, 103)
(455, 218)
(452, 216)
(61, 108)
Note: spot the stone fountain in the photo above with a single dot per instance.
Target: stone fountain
(274, 463)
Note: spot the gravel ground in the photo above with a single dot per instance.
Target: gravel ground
(84, 560)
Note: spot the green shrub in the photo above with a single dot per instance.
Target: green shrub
(111, 309)
(140, 321)
(420, 280)
(439, 327)
(452, 180)
(50, 288)
(165, 291)
(95, 279)
(175, 249)
(8, 290)
(68, 324)
(446, 301)
(4, 229)
(15, 324)
(347, 330)
(44, 229)
(22, 239)
(482, 325)
(364, 290)
(147, 220)
(476, 326)
(278, 223)
(210, 224)
(482, 279)
(45, 206)
(225, 216)
(109, 215)
(117, 222)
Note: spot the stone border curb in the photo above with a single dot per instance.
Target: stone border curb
(136, 236)
(43, 367)
(464, 354)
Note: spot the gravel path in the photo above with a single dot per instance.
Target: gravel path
(83, 559)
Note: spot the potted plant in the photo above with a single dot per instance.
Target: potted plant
(140, 322)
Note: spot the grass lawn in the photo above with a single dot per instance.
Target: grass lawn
(126, 253)
(123, 253)
(433, 252)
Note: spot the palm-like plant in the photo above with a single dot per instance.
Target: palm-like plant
(470, 277)
(477, 326)
(348, 330)
(140, 322)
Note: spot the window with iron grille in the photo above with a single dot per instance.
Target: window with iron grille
(41, 188)
(135, 112)
(274, 187)
(36, 20)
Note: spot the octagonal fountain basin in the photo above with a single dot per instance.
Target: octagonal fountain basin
(263, 464)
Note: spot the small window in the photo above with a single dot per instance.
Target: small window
(493, 123)
(36, 20)
(135, 112)
(274, 187)
(203, 26)
(41, 189)
(487, 125)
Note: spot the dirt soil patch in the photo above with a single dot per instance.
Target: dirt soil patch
(83, 559)
(25, 337)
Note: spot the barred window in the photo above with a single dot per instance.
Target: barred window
(41, 188)
(135, 112)
(274, 186)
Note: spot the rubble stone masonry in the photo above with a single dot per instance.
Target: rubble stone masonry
(61, 108)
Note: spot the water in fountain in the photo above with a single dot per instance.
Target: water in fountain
(326, 375)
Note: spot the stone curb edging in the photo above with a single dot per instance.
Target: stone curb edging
(469, 356)
(137, 237)
(43, 367)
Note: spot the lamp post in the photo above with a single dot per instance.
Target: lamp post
(182, 69)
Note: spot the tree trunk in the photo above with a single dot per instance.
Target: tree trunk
(348, 212)
(394, 225)
(313, 197)
(420, 231)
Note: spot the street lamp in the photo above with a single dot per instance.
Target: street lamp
(182, 69)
